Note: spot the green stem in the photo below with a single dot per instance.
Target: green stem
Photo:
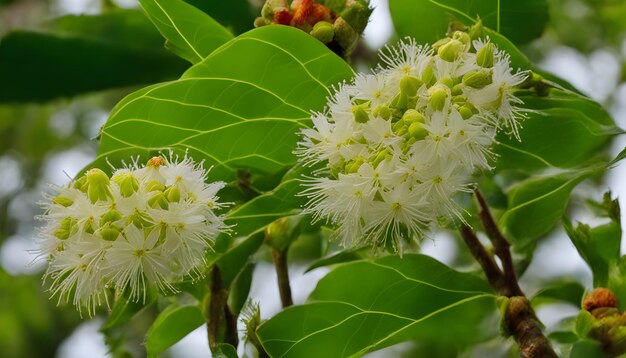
(282, 272)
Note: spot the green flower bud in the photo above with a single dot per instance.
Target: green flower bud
(462, 36)
(428, 76)
(457, 89)
(379, 157)
(484, 57)
(110, 216)
(281, 233)
(354, 165)
(438, 98)
(401, 100)
(417, 131)
(127, 182)
(98, 185)
(360, 114)
(323, 31)
(139, 219)
(108, 232)
(465, 111)
(451, 51)
(63, 201)
(260, 21)
(173, 194)
(81, 184)
(403, 129)
(381, 111)
(67, 228)
(158, 200)
(478, 78)
(458, 99)
(409, 85)
(411, 116)
(155, 186)
(476, 31)
(447, 81)
(357, 14)
(345, 35)
(440, 43)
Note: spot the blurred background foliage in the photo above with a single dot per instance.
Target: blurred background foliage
(65, 63)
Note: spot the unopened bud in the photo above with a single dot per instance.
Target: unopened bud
(158, 200)
(381, 111)
(282, 232)
(417, 131)
(98, 185)
(259, 21)
(354, 165)
(110, 216)
(476, 31)
(139, 219)
(451, 51)
(108, 232)
(357, 14)
(345, 35)
(67, 228)
(323, 31)
(462, 36)
(81, 184)
(379, 157)
(411, 116)
(438, 98)
(155, 162)
(447, 81)
(478, 78)
(600, 297)
(440, 43)
(173, 194)
(360, 114)
(127, 183)
(155, 186)
(484, 57)
(465, 111)
(428, 76)
(63, 201)
(410, 84)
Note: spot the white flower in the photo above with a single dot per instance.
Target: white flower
(142, 229)
(400, 144)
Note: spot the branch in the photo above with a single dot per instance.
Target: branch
(489, 266)
(282, 272)
(501, 247)
(523, 325)
(221, 324)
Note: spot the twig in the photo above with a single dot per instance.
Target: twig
(220, 322)
(519, 318)
(282, 272)
(501, 247)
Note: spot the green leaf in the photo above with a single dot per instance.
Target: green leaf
(40, 67)
(367, 305)
(123, 311)
(237, 15)
(190, 33)
(537, 204)
(427, 20)
(172, 325)
(240, 289)
(233, 261)
(225, 350)
(564, 291)
(339, 258)
(583, 125)
(239, 108)
(587, 349)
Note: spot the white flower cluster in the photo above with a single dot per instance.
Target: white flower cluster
(142, 228)
(401, 142)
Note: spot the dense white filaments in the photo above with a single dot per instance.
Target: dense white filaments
(400, 143)
(139, 230)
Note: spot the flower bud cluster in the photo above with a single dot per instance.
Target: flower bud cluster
(140, 229)
(401, 142)
(336, 23)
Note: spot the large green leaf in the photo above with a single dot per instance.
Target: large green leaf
(239, 108)
(427, 20)
(583, 127)
(190, 33)
(367, 305)
(81, 57)
(172, 325)
(237, 15)
(537, 204)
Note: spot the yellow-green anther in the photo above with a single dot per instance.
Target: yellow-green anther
(98, 185)
(438, 98)
(484, 57)
(478, 78)
(457, 89)
(108, 232)
(158, 200)
(155, 186)
(417, 131)
(360, 114)
(428, 76)
(63, 201)
(440, 43)
(383, 112)
(411, 116)
(410, 84)
(173, 194)
(462, 36)
(323, 31)
(127, 183)
(451, 51)
(110, 217)
(447, 81)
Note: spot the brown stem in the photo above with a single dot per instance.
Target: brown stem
(221, 324)
(280, 262)
(501, 247)
(519, 318)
